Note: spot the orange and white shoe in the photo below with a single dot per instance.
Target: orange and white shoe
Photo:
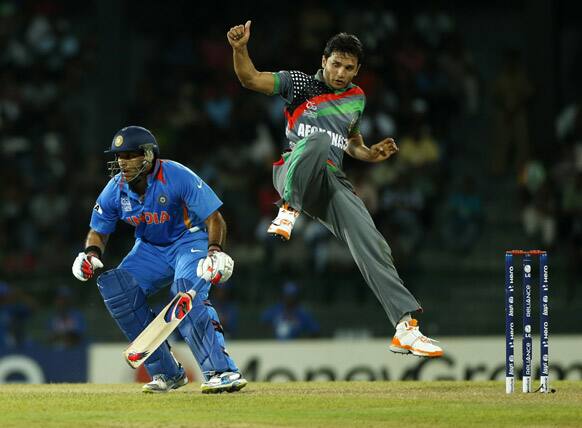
(284, 222)
(409, 340)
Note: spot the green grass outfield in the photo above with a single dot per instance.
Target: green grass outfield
(300, 404)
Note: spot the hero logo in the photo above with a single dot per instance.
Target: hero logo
(148, 218)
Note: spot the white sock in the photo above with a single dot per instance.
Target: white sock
(406, 317)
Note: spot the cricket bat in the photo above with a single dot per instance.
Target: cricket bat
(159, 329)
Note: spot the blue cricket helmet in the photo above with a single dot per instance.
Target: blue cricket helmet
(133, 138)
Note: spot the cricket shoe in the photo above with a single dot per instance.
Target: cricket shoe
(223, 382)
(161, 383)
(284, 222)
(409, 340)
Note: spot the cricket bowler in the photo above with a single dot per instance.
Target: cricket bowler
(323, 114)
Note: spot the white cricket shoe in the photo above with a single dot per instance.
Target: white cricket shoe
(161, 383)
(224, 382)
(409, 340)
(284, 222)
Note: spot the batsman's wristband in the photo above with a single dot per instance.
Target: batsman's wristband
(94, 249)
(214, 247)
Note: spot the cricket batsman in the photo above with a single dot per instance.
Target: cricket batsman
(179, 240)
(323, 114)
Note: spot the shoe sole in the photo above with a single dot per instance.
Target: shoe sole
(281, 237)
(237, 385)
(409, 350)
(279, 233)
(165, 391)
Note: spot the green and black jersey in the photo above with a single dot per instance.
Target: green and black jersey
(312, 106)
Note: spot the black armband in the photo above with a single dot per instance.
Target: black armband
(94, 249)
(215, 244)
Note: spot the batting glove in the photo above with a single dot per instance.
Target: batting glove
(216, 268)
(84, 266)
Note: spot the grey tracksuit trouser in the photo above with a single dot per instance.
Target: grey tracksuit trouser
(310, 184)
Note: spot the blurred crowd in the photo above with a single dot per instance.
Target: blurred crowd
(419, 75)
(64, 324)
(552, 193)
(43, 64)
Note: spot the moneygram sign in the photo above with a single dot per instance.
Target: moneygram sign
(470, 358)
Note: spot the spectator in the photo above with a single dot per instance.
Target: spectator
(540, 208)
(569, 123)
(290, 319)
(67, 326)
(512, 92)
(403, 205)
(420, 152)
(571, 205)
(463, 217)
(227, 309)
(16, 309)
(433, 24)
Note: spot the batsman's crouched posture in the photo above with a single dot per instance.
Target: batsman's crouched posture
(179, 235)
(323, 113)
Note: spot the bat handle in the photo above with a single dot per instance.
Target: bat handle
(192, 293)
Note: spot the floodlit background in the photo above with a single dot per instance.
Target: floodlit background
(484, 100)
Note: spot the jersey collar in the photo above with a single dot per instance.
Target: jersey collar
(157, 173)
(319, 76)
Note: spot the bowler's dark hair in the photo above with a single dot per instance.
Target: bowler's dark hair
(345, 43)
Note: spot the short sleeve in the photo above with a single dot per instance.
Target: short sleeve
(355, 125)
(199, 198)
(283, 85)
(105, 212)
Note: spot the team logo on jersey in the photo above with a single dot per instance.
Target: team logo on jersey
(118, 141)
(162, 200)
(311, 110)
(148, 218)
(337, 140)
(97, 208)
(125, 204)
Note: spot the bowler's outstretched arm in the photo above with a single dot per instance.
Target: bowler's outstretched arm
(249, 77)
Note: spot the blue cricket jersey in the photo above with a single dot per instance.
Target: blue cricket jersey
(176, 200)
